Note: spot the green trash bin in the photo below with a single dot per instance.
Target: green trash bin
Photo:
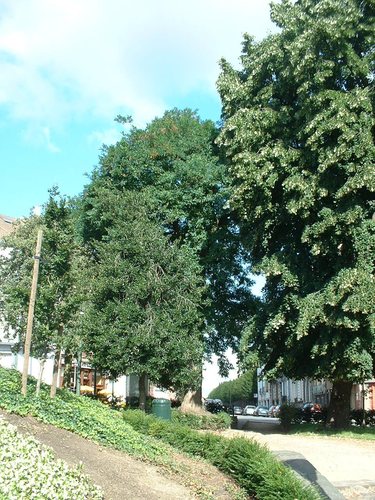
(161, 408)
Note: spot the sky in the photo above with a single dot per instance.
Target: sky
(68, 67)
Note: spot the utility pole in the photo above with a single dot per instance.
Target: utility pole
(30, 317)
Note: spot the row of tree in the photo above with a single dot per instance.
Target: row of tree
(148, 269)
(144, 270)
(242, 390)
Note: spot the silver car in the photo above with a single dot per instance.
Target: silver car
(248, 410)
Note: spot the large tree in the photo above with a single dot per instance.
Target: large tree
(145, 310)
(174, 163)
(299, 133)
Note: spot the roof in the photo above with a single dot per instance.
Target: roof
(6, 225)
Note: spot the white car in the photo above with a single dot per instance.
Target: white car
(248, 410)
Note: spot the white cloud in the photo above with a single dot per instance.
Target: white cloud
(107, 137)
(50, 145)
(64, 58)
(40, 137)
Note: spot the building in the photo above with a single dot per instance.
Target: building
(285, 390)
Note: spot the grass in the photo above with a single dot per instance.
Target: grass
(363, 433)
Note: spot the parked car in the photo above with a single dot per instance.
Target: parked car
(261, 411)
(214, 405)
(273, 411)
(236, 410)
(248, 410)
(311, 411)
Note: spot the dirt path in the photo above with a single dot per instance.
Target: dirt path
(123, 477)
(349, 464)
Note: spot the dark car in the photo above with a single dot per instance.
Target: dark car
(214, 405)
(261, 411)
(311, 411)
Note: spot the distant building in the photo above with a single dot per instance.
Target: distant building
(297, 392)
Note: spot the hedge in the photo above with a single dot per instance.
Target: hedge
(250, 464)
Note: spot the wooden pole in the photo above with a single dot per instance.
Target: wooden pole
(30, 317)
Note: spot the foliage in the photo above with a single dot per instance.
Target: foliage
(298, 131)
(174, 165)
(84, 416)
(31, 471)
(216, 422)
(147, 316)
(241, 389)
(251, 465)
(288, 414)
(369, 416)
(57, 302)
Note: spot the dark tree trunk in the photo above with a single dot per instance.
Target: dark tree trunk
(56, 370)
(142, 391)
(339, 406)
(68, 371)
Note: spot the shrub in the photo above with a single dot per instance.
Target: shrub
(84, 416)
(214, 422)
(249, 463)
(357, 416)
(288, 415)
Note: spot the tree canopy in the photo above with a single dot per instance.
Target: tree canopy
(242, 389)
(299, 134)
(144, 315)
(57, 303)
(175, 165)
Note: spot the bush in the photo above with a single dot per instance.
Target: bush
(288, 415)
(250, 464)
(357, 416)
(213, 422)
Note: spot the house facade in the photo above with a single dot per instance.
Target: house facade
(285, 390)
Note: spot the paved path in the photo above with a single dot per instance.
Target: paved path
(346, 463)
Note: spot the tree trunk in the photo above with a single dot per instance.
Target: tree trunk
(192, 402)
(142, 384)
(39, 381)
(68, 370)
(339, 406)
(56, 363)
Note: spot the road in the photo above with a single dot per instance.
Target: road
(258, 424)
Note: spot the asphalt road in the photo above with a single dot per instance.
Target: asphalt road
(257, 424)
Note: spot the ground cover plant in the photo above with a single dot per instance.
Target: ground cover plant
(250, 464)
(205, 422)
(95, 421)
(30, 471)
(86, 417)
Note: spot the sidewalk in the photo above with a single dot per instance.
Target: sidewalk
(349, 464)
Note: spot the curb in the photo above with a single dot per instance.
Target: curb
(307, 471)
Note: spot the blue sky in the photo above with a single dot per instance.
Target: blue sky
(68, 67)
